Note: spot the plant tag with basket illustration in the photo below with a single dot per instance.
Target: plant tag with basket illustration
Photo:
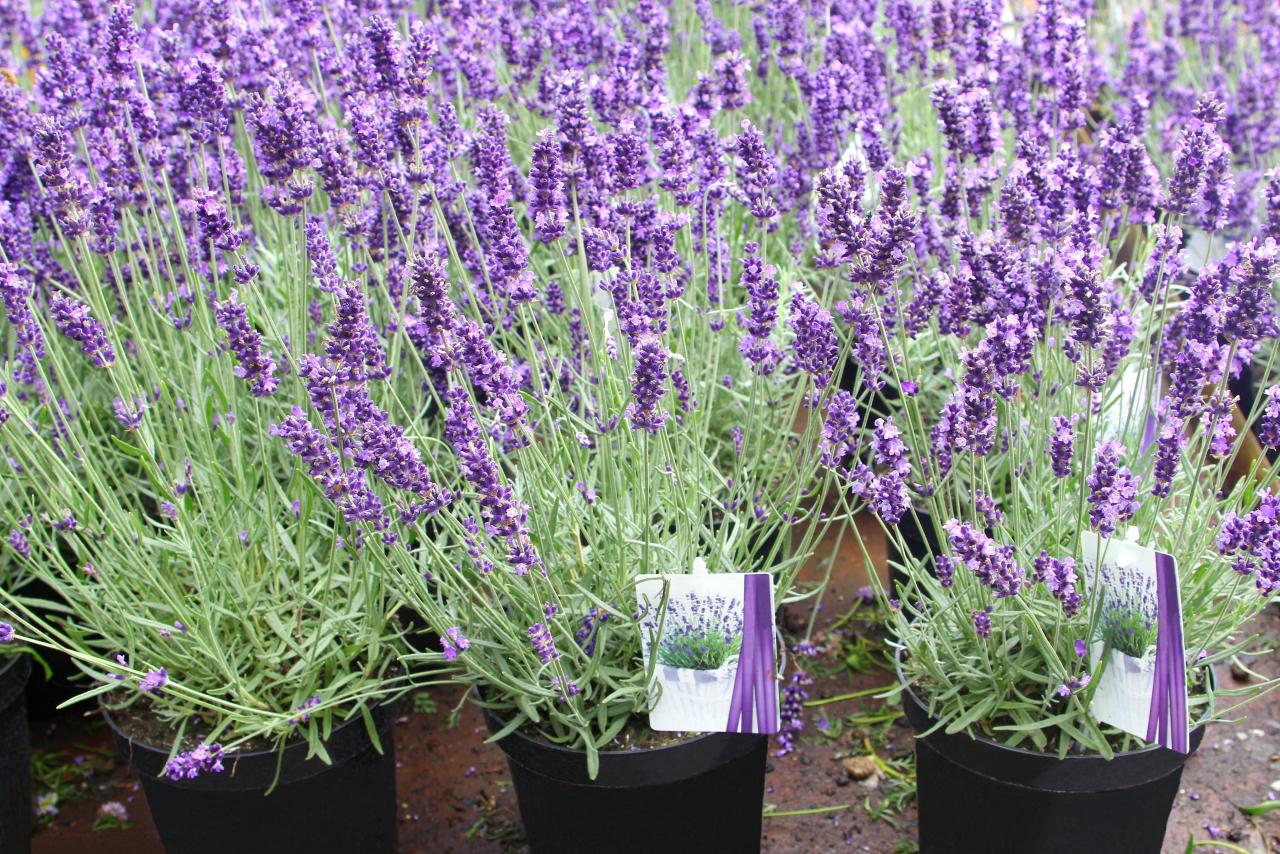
(1136, 652)
(708, 643)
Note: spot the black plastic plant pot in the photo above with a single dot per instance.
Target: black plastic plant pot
(15, 756)
(699, 796)
(348, 807)
(974, 795)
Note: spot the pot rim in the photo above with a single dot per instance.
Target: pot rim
(644, 766)
(259, 768)
(1036, 769)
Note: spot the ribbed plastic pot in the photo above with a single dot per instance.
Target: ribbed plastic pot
(348, 807)
(700, 796)
(15, 756)
(974, 795)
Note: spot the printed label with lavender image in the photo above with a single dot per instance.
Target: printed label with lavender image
(708, 641)
(1137, 651)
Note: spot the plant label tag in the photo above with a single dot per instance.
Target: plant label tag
(708, 642)
(1136, 653)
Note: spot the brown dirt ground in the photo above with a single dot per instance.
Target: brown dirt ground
(455, 793)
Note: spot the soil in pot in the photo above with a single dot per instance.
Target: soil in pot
(699, 796)
(974, 795)
(15, 756)
(348, 806)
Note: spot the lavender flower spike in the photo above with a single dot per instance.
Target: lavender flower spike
(1113, 490)
(205, 759)
(648, 384)
(543, 644)
(74, 321)
(254, 364)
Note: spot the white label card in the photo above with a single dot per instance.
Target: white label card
(1137, 652)
(708, 639)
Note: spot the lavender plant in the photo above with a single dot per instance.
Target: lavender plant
(304, 303)
(1086, 357)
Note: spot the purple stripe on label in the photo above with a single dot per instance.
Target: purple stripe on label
(1167, 718)
(753, 707)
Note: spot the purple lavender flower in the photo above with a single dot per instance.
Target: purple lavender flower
(1060, 446)
(215, 225)
(1070, 687)
(347, 489)
(6, 632)
(886, 490)
(129, 413)
(982, 622)
(992, 564)
(1268, 427)
(284, 137)
(204, 759)
(354, 344)
(839, 430)
(121, 41)
(674, 154)
(628, 157)
(454, 642)
(761, 285)
(1254, 542)
(303, 715)
(1168, 450)
(65, 187)
(648, 384)
(547, 201)
(1059, 577)
(202, 98)
(75, 322)
(154, 682)
(1113, 490)
(731, 80)
(16, 290)
(757, 174)
(987, 508)
(504, 515)
(20, 544)
(253, 363)
(1165, 263)
(870, 352)
(384, 53)
(791, 715)
(1201, 172)
(324, 267)
(383, 448)
(816, 346)
(589, 631)
(543, 644)
(944, 569)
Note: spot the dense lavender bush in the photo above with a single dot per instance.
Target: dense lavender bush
(491, 306)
